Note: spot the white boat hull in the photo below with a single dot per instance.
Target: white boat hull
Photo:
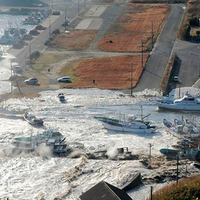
(127, 129)
(186, 107)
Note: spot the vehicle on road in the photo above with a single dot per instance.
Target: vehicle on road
(65, 79)
(176, 79)
(17, 69)
(31, 81)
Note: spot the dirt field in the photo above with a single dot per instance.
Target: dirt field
(107, 73)
(136, 24)
(77, 40)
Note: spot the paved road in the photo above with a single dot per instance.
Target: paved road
(189, 55)
(52, 23)
(155, 67)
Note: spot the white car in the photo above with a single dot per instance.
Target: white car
(176, 79)
(31, 81)
(65, 79)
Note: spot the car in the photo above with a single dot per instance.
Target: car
(65, 79)
(31, 81)
(17, 69)
(176, 79)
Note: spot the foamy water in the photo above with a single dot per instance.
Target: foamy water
(29, 176)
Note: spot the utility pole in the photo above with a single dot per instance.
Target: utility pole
(150, 145)
(84, 3)
(151, 195)
(11, 77)
(152, 35)
(78, 7)
(199, 70)
(177, 170)
(131, 65)
(65, 18)
(49, 29)
(142, 52)
(30, 61)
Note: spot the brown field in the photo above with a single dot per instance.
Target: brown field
(108, 73)
(76, 40)
(136, 25)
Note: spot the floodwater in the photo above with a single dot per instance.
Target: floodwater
(30, 176)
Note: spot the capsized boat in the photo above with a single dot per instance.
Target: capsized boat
(31, 119)
(49, 138)
(131, 125)
(187, 102)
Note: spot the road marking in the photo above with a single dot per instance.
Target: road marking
(84, 24)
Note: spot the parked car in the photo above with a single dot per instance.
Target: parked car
(31, 81)
(65, 79)
(176, 79)
(17, 69)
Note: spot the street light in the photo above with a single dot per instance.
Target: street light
(131, 65)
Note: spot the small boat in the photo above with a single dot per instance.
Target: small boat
(49, 138)
(31, 119)
(169, 151)
(61, 97)
(179, 130)
(186, 103)
(189, 154)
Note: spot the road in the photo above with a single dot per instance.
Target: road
(189, 55)
(52, 23)
(155, 66)
(165, 46)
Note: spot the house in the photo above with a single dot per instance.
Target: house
(105, 191)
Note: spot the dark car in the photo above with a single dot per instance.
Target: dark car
(65, 79)
(31, 81)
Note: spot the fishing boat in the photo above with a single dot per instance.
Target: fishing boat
(52, 139)
(187, 102)
(179, 130)
(192, 154)
(189, 154)
(10, 37)
(31, 119)
(131, 125)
